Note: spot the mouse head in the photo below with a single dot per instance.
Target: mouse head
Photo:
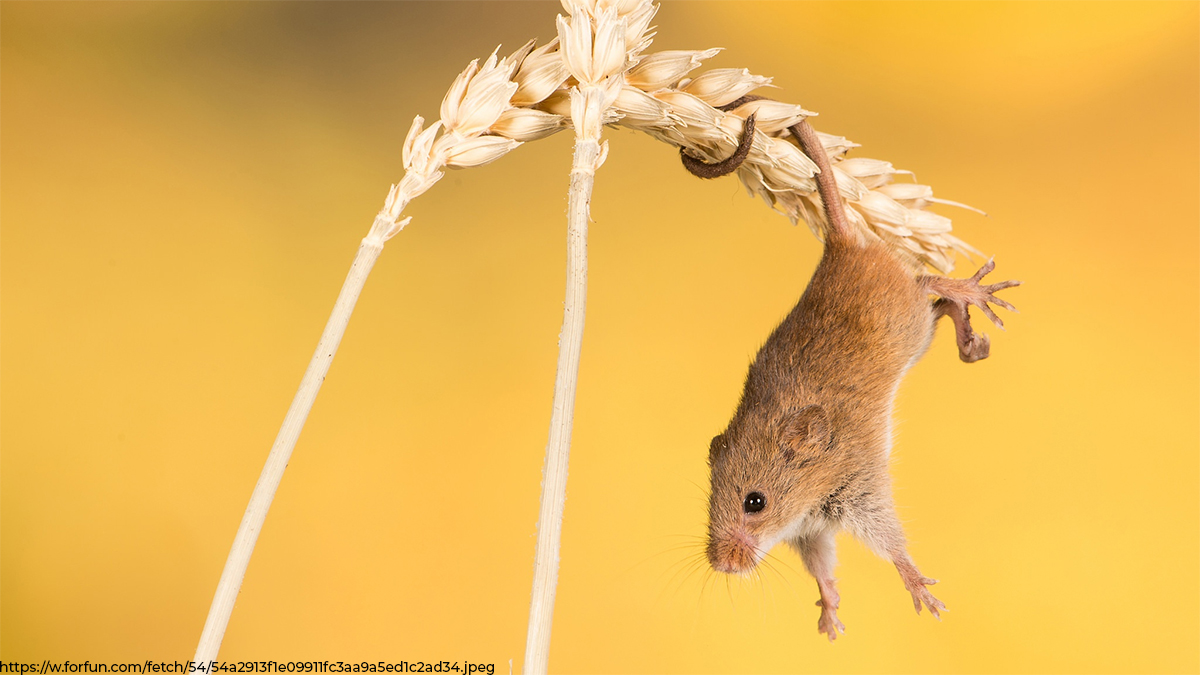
(766, 475)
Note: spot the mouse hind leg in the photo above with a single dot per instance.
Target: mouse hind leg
(819, 552)
(956, 296)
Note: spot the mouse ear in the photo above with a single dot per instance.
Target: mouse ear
(716, 447)
(808, 428)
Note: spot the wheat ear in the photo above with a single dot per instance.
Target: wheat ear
(690, 113)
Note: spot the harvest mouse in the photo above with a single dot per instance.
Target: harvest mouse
(806, 453)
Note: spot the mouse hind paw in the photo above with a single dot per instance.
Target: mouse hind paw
(956, 296)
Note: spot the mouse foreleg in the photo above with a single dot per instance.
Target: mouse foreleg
(956, 295)
(878, 527)
(819, 553)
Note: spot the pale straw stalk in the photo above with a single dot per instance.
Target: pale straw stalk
(478, 98)
(600, 40)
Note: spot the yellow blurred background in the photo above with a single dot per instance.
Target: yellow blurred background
(183, 189)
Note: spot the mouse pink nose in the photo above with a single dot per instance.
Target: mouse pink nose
(733, 552)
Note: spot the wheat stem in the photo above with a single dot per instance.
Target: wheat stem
(558, 448)
(281, 451)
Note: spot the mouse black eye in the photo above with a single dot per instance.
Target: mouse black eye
(755, 502)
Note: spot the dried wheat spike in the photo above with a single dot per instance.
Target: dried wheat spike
(598, 64)
(688, 115)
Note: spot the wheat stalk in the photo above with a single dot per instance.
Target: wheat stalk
(477, 100)
(599, 41)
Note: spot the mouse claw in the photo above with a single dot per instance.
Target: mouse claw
(975, 347)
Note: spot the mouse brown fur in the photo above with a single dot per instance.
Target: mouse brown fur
(806, 453)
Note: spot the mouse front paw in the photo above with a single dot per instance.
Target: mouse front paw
(921, 596)
(828, 624)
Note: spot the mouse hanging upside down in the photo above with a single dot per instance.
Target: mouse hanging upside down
(806, 454)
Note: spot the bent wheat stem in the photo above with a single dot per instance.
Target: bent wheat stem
(558, 448)
(281, 451)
